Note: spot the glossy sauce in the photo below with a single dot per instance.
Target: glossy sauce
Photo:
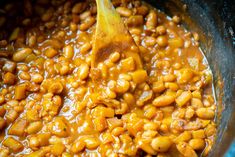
(49, 106)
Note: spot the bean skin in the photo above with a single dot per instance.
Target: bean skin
(21, 54)
(124, 11)
(83, 71)
(161, 144)
(205, 113)
(163, 100)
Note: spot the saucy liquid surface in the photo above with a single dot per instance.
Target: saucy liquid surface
(50, 107)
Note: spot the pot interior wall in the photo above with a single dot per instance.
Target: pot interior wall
(204, 17)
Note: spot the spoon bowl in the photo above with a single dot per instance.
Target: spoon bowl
(112, 36)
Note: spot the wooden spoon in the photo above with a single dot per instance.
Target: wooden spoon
(112, 36)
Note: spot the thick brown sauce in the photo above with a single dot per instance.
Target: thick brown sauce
(58, 95)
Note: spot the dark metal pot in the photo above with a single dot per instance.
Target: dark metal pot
(215, 22)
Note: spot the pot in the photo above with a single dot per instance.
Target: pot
(215, 23)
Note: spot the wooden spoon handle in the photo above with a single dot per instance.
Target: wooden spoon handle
(109, 22)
